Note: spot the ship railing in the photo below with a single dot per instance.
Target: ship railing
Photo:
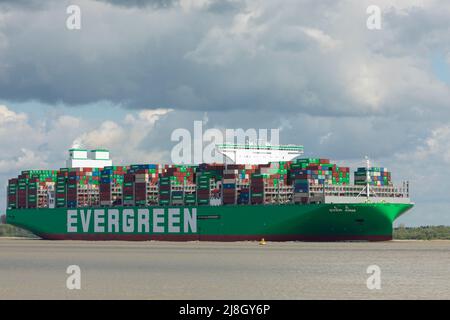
(359, 190)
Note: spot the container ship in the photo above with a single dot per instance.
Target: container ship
(260, 192)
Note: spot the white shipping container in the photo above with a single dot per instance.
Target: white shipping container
(300, 194)
(141, 176)
(228, 171)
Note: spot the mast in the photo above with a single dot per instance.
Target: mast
(367, 177)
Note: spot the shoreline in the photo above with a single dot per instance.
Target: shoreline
(219, 242)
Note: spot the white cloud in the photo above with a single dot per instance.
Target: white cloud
(225, 44)
(125, 140)
(8, 116)
(26, 159)
(68, 122)
(108, 134)
(31, 143)
(323, 139)
(152, 115)
(435, 146)
(188, 5)
(325, 41)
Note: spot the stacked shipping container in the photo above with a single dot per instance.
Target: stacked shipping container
(164, 190)
(229, 186)
(12, 193)
(151, 184)
(22, 191)
(378, 176)
(319, 172)
(111, 184)
(203, 188)
(257, 188)
(32, 194)
(61, 183)
(315, 171)
(128, 189)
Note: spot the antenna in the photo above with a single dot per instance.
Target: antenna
(367, 177)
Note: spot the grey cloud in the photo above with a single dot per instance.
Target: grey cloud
(213, 6)
(248, 58)
(225, 6)
(31, 5)
(156, 4)
(19, 2)
(197, 61)
(413, 31)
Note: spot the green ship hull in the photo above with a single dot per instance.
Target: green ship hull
(309, 222)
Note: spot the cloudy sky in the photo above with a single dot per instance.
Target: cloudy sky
(137, 70)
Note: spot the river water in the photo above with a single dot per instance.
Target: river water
(36, 269)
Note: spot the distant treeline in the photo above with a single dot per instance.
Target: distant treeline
(7, 230)
(422, 233)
